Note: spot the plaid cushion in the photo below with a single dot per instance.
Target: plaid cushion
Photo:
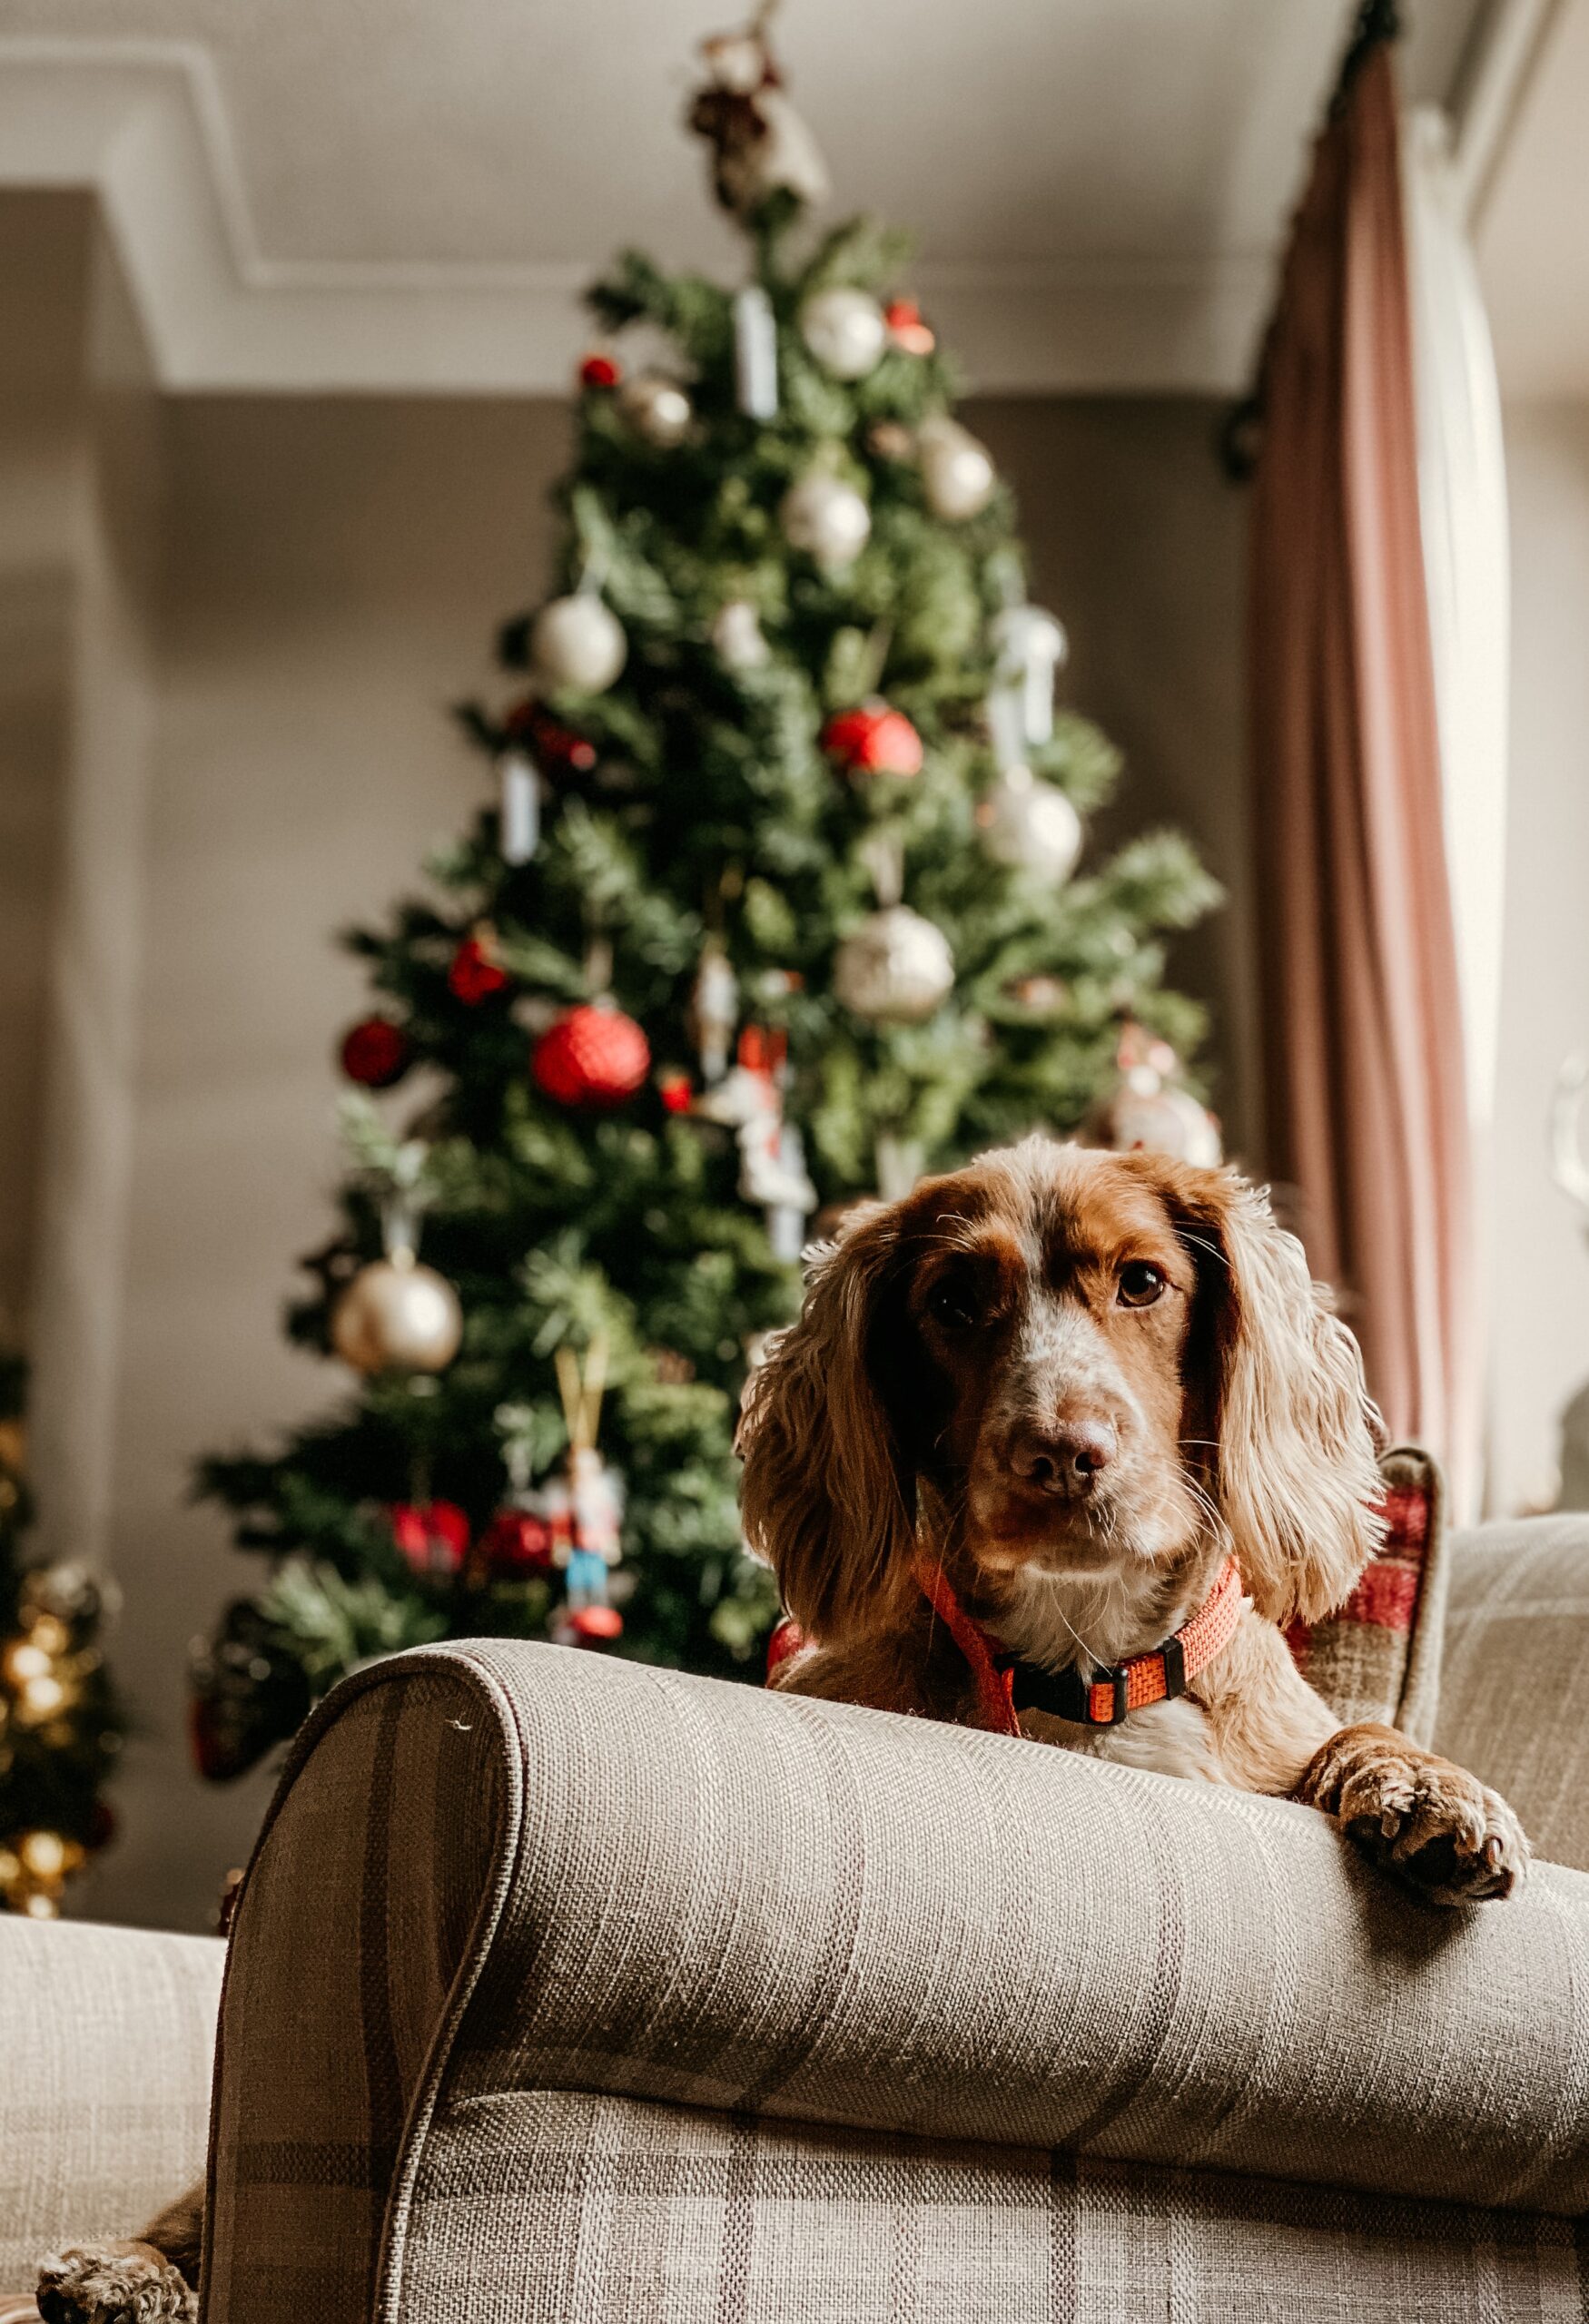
(1378, 1656)
(548, 2204)
(500, 1877)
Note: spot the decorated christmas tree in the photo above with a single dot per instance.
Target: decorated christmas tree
(776, 905)
(60, 1727)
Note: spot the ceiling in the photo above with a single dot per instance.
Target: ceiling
(406, 195)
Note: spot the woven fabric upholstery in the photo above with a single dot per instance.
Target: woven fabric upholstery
(500, 1870)
(1515, 1691)
(544, 2207)
(106, 2035)
(1378, 1656)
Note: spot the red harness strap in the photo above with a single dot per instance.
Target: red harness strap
(1006, 1685)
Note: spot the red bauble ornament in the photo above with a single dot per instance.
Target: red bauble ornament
(375, 1052)
(433, 1535)
(557, 749)
(474, 974)
(594, 1055)
(906, 329)
(516, 1542)
(675, 1091)
(599, 371)
(873, 740)
(593, 1625)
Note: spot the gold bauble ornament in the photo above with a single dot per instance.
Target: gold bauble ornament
(657, 409)
(578, 642)
(397, 1316)
(826, 518)
(1029, 826)
(844, 330)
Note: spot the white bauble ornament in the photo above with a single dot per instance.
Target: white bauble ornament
(895, 969)
(1029, 826)
(1148, 1115)
(397, 1316)
(845, 331)
(827, 518)
(736, 637)
(578, 642)
(958, 475)
(657, 409)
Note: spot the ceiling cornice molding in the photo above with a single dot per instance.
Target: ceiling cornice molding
(144, 124)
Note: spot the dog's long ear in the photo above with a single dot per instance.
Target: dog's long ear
(828, 1496)
(1295, 1475)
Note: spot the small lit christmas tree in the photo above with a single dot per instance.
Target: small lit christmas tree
(774, 908)
(60, 1725)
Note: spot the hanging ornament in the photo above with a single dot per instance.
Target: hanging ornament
(1029, 826)
(908, 332)
(957, 474)
(873, 740)
(794, 1197)
(736, 637)
(844, 330)
(557, 749)
(1150, 1111)
(657, 409)
(588, 1543)
(474, 972)
(593, 1055)
(1031, 646)
(397, 1315)
(760, 145)
(578, 642)
(1042, 994)
(375, 1052)
(517, 1542)
(433, 1536)
(599, 371)
(897, 968)
(714, 1011)
(519, 811)
(756, 353)
(677, 1091)
(826, 518)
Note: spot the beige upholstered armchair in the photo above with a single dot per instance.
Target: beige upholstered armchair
(563, 1989)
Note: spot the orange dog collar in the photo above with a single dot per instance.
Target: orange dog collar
(1006, 1685)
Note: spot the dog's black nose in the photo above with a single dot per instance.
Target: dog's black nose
(1066, 1458)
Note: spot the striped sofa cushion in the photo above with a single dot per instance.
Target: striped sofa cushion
(1378, 1656)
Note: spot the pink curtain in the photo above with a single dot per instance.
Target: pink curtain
(1366, 1114)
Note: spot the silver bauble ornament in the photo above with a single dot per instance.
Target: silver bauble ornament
(827, 518)
(736, 637)
(578, 642)
(1029, 826)
(845, 331)
(895, 969)
(657, 409)
(397, 1316)
(958, 475)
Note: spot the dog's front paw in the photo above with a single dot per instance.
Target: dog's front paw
(1429, 1822)
(114, 2283)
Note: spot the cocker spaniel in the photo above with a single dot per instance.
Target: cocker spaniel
(1058, 1444)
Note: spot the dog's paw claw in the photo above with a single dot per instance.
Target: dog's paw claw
(116, 2283)
(1430, 1823)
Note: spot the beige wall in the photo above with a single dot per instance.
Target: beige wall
(1539, 1343)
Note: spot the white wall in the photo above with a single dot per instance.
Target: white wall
(1539, 1349)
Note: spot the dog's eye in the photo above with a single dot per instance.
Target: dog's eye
(949, 1303)
(1139, 1284)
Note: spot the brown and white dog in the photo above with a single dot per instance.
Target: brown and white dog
(1070, 1386)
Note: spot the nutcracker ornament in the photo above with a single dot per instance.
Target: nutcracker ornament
(714, 1011)
(1031, 646)
(587, 1544)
